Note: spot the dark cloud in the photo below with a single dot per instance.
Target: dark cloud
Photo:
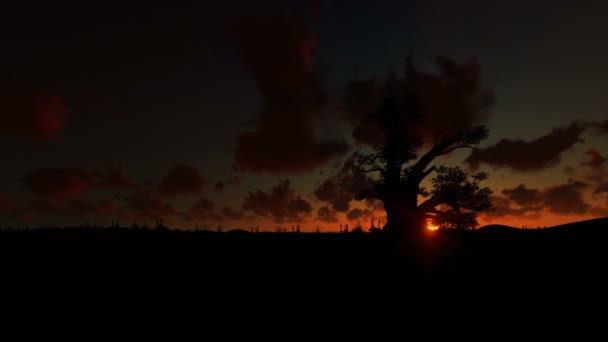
(5, 205)
(316, 8)
(203, 210)
(232, 213)
(114, 178)
(281, 204)
(203, 205)
(445, 102)
(566, 198)
(69, 208)
(276, 50)
(88, 208)
(501, 207)
(560, 199)
(340, 188)
(354, 214)
(596, 160)
(523, 155)
(523, 196)
(147, 205)
(600, 127)
(182, 179)
(325, 214)
(30, 112)
(221, 185)
(602, 187)
(58, 182)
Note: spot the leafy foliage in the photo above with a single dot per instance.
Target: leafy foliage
(463, 196)
(440, 109)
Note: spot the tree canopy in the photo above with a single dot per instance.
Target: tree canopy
(418, 118)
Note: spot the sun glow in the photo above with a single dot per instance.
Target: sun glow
(431, 226)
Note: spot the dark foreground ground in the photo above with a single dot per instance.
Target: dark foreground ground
(493, 283)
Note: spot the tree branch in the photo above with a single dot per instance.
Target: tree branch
(430, 204)
(427, 172)
(368, 193)
(454, 148)
(382, 171)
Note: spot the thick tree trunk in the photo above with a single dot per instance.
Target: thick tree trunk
(403, 218)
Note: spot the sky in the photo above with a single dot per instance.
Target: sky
(236, 113)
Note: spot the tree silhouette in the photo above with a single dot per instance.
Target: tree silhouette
(436, 111)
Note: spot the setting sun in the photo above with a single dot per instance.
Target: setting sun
(431, 226)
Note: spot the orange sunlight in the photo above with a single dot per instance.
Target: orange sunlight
(431, 226)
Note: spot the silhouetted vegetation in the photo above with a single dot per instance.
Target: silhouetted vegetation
(418, 109)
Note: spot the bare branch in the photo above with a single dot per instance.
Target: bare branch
(427, 172)
(430, 204)
(381, 170)
(368, 193)
(454, 148)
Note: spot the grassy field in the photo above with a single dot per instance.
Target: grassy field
(315, 285)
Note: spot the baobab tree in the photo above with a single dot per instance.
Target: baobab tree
(419, 118)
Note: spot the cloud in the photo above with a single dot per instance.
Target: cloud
(340, 188)
(276, 50)
(30, 112)
(354, 214)
(281, 204)
(602, 187)
(114, 179)
(501, 207)
(203, 205)
(325, 214)
(523, 196)
(520, 155)
(182, 179)
(566, 198)
(204, 210)
(596, 160)
(221, 185)
(147, 205)
(87, 208)
(600, 127)
(232, 213)
(5, 205)
(445, 102)
(58, 182)
(64, 208)
(560, 199)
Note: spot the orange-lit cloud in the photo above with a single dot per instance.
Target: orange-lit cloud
(326, 214)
